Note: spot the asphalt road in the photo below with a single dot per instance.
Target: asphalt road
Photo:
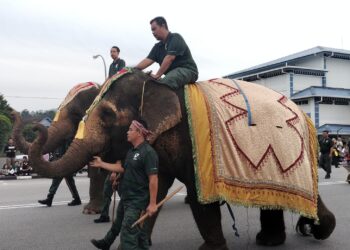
(24, 224)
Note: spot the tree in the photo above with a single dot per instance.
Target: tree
(5, 122)
(5, 128)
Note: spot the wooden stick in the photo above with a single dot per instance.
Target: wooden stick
(114, 198)
(143, 217)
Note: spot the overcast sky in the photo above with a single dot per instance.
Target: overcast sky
(46, 47)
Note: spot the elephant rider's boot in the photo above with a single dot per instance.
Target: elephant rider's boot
(47, 201)
(100, 244)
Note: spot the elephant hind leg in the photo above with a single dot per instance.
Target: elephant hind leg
(208, 219)
(324, 228)
(272, 228)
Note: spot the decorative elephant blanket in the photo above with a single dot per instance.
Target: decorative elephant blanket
(72, 93)
(252, 146)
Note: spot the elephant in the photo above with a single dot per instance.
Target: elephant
(63, 128)
(137, 95)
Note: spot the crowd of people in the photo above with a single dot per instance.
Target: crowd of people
(13, 167)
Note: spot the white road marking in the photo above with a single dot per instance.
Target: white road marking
(327, 183)
(57, 203)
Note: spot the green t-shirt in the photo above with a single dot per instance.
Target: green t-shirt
(140, 162)
(116, 66)
(174, 45)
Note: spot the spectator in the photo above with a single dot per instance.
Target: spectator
(25, 168)
(10, 151)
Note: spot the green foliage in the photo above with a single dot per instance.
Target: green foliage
(5, 122)
(5, 130)
(5, 108)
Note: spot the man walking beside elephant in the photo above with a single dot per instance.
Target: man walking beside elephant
(139, 187)
(173, 56)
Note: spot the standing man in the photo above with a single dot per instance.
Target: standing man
(173, 56)
(117, 63)
(326, 153)
(10, 151)
(139, 187)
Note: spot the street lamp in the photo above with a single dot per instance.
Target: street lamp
(104, 63)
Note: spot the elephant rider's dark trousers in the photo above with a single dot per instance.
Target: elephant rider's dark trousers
(114, 231)
(179, 77)
(70, 183)
(325, 163)
(136, 237)
(107, 194)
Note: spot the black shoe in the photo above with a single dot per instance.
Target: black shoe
(187, 200)
(100, 244)
(47, 202)
(328, 176)
(74, 202)
(102, 219)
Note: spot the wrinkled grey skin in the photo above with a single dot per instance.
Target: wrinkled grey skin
(61, 130)
(165, 113)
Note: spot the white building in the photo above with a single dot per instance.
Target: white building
(317, 79)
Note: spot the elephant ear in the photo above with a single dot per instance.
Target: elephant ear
(161, 108)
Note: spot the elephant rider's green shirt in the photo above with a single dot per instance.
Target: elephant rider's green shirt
(140, 162)
(116, 66)
(174, 45)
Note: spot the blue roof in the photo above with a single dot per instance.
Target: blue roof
(315, 91)
(46, 121)
(332, 52)
(340, 129)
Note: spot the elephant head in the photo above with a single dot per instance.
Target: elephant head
(66, 121)
(132, 95)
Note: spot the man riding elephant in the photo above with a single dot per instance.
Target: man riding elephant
(134, 95)
(172, 54)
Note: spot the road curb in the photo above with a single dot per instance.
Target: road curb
(24, 177)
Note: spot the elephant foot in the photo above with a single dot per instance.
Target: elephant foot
(270, 238)
(91, 208)
(206, 246)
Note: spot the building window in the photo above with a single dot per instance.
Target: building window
(302, 102)
(341, 102)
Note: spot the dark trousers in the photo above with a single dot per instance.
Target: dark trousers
(116, 226)
(325, 163)
(70, 183)
(136, 237)
(107, 194)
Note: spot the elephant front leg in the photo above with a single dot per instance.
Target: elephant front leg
(97, 179)
(208, 219)
(272, 228)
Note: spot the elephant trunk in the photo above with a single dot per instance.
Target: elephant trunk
(76, 157)
(17, 136)
(57, 133)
